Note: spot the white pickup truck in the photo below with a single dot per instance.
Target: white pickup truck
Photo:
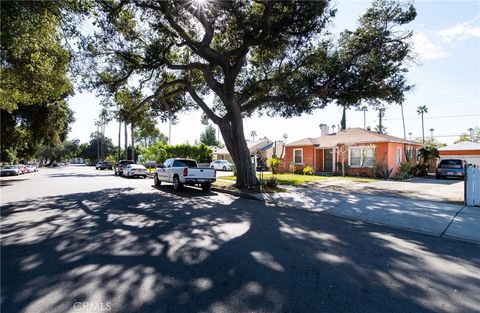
(184, 172)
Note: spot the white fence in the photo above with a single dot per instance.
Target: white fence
(472, 186)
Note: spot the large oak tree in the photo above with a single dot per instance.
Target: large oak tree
(275, 57)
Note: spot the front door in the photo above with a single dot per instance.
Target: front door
(328, 160)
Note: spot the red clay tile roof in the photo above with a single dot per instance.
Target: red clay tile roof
(349, 136)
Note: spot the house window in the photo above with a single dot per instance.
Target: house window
(298, 156)
(361, 157)
(399, 155)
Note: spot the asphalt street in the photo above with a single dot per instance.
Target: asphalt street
(74, 239)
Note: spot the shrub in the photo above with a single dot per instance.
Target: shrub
(274, 163)
(405, 169)
(292, 168)
(271, 182)
(308, 170)
(420, 170)
(384, 172)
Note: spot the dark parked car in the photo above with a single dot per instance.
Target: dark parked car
(262, 168)
(120, 165)
(451, 168)
(104, 165)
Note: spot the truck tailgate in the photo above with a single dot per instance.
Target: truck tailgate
(201, 172)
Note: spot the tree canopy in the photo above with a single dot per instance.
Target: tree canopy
(275, 57)
(209, 136)
(34, 82)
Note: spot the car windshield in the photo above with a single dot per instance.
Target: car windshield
(9, 167)
(184, 163)
(451, 164)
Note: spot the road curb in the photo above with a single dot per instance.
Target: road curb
(237, 193)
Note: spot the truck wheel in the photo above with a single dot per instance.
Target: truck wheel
(177, 185)
(206, 186)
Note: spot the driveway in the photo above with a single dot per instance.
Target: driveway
(419, 188)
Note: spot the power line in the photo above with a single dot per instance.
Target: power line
(433, 117)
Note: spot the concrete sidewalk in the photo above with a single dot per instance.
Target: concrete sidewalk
(435, 218)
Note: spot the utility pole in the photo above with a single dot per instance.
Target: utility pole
(98, 143)
(403, 122)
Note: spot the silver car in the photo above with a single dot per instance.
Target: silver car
(10, 170)
(133, 170)
(222, 165)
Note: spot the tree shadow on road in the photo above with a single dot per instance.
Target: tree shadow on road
(168, 252)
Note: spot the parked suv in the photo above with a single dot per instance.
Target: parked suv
(104, 165)
(450, 168)
(121, 165)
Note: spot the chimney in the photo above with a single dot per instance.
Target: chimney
(324, 130)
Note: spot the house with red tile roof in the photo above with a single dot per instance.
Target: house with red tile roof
(361, 151)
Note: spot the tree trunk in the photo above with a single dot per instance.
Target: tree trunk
(126, 142)
(132, 127)
(423, 131)
(119, 140)
(234, 137)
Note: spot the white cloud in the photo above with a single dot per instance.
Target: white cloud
(462, 31)
(425, 49)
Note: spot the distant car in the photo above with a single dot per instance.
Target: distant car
(223, 165)
(104, 165)
(23, 168)
(10, 170)
(132, 170)
(450, 168)
(32, 168)
(262, 168)
(120, 165)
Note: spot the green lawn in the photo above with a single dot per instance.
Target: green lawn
(298, 180)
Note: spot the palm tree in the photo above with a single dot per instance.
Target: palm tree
(471, 134)
(364, 109)
(410, 134)
(333, 128)
(422, 109)
(431, 132)
(253, 134)
(403, 122)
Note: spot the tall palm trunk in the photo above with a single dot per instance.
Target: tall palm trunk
(403, 122)
(119, 139)
(423, 131)
(126, 142)
(132, 131)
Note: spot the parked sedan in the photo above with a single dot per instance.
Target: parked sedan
(133, 170)
(32, 168)
(223, 165)
(10, 170)
(450, 168)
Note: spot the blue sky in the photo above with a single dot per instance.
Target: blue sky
(447, 80)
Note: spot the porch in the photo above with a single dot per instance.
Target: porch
(324, 161)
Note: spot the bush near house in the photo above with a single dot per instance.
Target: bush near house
(274, 163)
(308, 170)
